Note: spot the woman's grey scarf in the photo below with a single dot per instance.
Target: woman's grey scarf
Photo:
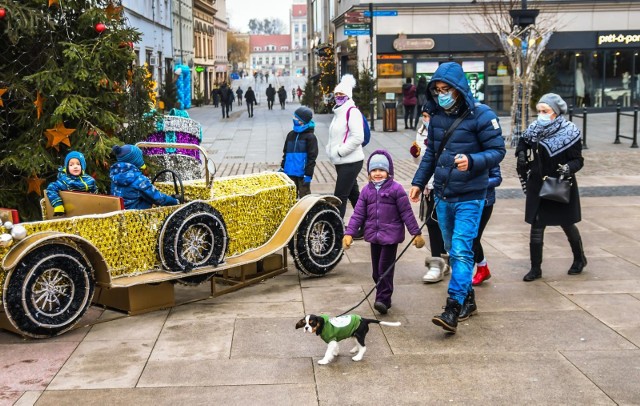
(555, 137)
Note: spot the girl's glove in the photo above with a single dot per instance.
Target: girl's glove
(418, 242)
(415, 150)
(564, 170)
(346, 242)
(521, 163)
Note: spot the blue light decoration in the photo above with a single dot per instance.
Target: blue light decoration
(183, 85)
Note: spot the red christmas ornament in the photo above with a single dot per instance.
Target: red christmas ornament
(3, 13)
(100, 27)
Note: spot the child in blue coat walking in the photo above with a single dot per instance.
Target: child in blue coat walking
(383, 209)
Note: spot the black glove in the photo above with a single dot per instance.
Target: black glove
(177, 197)
(58, 214)
(521, 163)
(564, 170)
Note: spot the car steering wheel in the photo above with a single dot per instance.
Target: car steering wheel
(178, 187)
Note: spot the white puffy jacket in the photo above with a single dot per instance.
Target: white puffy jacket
(339, 150)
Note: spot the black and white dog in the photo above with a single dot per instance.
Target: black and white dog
(333, 330)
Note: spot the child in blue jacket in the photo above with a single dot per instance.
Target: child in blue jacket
(128, 181)
(71, 177)
(300, 151)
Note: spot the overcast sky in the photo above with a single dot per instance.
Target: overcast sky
(241, 11)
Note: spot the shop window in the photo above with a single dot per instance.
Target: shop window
(617, 78)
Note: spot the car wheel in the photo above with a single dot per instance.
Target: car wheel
(192, 237)
(48, 291)
(317, 244)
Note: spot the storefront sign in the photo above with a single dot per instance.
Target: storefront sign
(199, 69)
(498, 80)
(617, 39)
(402, 43)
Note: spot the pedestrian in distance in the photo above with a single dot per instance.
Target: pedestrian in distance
(250, 98)
(282, 97)
(344, 145)
(383, 210)
(299, 92)
(215, 95)
(300, 151)
(271, 96)
(421, 95)
(551, 146)
(293, 94)
(226, 97)
(461, 164)
(239, 93)
(409, 101)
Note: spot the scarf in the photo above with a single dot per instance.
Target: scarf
(301, 128)
(556, 137)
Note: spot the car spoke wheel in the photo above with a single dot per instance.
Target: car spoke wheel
(48, 291)
(317, 245)
(192, 237)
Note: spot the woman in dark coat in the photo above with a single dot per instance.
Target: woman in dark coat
(551, 146)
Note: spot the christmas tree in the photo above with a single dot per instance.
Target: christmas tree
(68, 81)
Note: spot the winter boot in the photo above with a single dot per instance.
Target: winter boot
(469, 307)
(437, 269)
(579, 260)
(482, 274)
(535, 251)
(448, 320)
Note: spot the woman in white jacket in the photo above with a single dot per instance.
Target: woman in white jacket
(344, 146)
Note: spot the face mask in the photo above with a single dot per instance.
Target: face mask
(544, 119)
(340, 100)
(425, 121)
(446, 100)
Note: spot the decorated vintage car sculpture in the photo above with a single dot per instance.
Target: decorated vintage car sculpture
(232, 230)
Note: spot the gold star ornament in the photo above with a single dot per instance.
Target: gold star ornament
(58, 134)
(113, 12)
(2, 91)
(35, 184)
(39, 103)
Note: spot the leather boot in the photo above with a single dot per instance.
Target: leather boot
(469, 307)
(448, 320)
(535, 251)
(482, 274)
(579, 260)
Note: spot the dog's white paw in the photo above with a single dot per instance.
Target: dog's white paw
(357, 357)
(324, 361)
(354, 350)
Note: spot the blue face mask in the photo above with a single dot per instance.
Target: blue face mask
(544, 119)
(446, 100)
(299, 126)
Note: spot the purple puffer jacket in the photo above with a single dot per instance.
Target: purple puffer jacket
(384, 212)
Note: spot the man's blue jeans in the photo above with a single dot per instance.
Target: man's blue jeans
(459, 225)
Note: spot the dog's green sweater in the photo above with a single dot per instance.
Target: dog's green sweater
(339, 328)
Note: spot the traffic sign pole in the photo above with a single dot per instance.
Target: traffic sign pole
(373, 98)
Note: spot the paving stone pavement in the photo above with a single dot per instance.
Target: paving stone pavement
(559, 340)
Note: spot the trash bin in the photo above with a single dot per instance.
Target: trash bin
(390, 122)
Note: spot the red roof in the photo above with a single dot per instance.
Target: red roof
(263, 41)
(299, 10)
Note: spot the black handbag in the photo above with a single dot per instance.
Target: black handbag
(556, 189)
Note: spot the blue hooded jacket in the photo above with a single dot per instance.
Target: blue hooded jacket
(66, 181)
(128, 182)
(478, 136)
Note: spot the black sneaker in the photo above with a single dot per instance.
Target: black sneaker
(380, 307)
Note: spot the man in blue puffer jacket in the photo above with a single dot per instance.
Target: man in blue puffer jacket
(128, 181)
(461, 176)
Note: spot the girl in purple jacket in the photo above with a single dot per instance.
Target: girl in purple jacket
(383, 210)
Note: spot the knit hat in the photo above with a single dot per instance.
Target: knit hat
(304, 113)
(346, 85)
(554, 101)
(77, 155)
(129, 153)
(379, 161)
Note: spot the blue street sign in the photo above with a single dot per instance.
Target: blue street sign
(356, 32)
(382, 13)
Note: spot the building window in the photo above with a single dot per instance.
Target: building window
(297, 56)
(279, 60)
(304, 27)
(295, 28)
(286, 60)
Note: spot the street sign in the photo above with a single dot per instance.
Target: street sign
(356, 27)
(354, 14)
(382, 13)
(356, 32)
(357, 20)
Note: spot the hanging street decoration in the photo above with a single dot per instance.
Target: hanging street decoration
(3, 13)
(58, 134)
(100, 27)
(53, 3)
(2, 91)
(113, 12)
